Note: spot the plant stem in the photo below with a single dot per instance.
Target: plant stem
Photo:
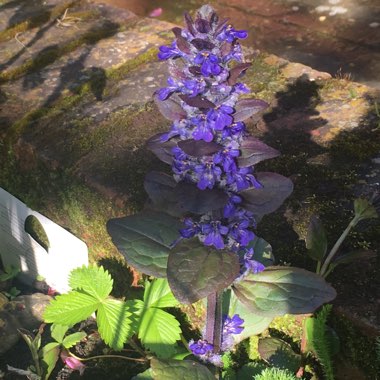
(133, 344)
(107, 356)
(214, 324)
(324, 270)
(318, 267)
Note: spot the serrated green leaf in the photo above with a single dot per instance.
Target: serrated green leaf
(283, 290)
(248, 371)
(93, 280)
(316, 239)
(253, 324)
(73, 339)
(146, 375)
(279, 354)
(71, 308)
(159, 332)
(179, 369)
(145, 240)
(114, 323)
(158, 294)
(58, 332)
(195, 271)
(50, 354)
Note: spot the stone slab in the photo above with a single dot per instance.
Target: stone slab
(52, 35)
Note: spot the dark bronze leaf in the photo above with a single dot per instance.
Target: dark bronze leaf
(199, 148)
(237, 71)
(201, 44)
(197, 101)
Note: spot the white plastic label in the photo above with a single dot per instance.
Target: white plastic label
(18, 248)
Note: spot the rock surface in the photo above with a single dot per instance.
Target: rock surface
(23, 312)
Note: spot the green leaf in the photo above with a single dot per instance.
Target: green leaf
(73, 339)
(146, 375)
(145, 240)
(253, 324)
(58, 332)
(50, 354)
(248, 371)
(159, 332)
(114, 323)
(158, 294)
(179, 369)
(71, 308)
(279, 354)
(364, 209)
(316, 239)
(361, 254)
(262, 251)
(195, 271)
(283, 290)
(93, 280)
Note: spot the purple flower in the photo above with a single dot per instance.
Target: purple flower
(239, 231)
(171, 51)
(233, 325)
(213, 234)
(164, 93)
(226, 157)
(230, 34)
(195, 86)
(242, 179)
(236, 54)
(251, 265)
(207, 174)
(231, 206)
(209, 63)
(235, 130)
(201, 347)
(220, 117)
(191, 229)
(254, 266)
(203, 129)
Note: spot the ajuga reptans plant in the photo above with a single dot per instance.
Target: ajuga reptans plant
(197, 228)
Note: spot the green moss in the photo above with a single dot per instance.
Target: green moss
(63, 198)
(51, 54)
(357, 145)
(120, 72)
(263, 79)
(357, 348)
(35, 21)
(34, 228)
(67, 102)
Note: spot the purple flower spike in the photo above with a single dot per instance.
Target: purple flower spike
(201, 347)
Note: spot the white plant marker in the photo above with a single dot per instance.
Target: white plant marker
(20, 249)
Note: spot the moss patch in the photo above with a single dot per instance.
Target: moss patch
(62, 198)
(44, 16)
(357, 348)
